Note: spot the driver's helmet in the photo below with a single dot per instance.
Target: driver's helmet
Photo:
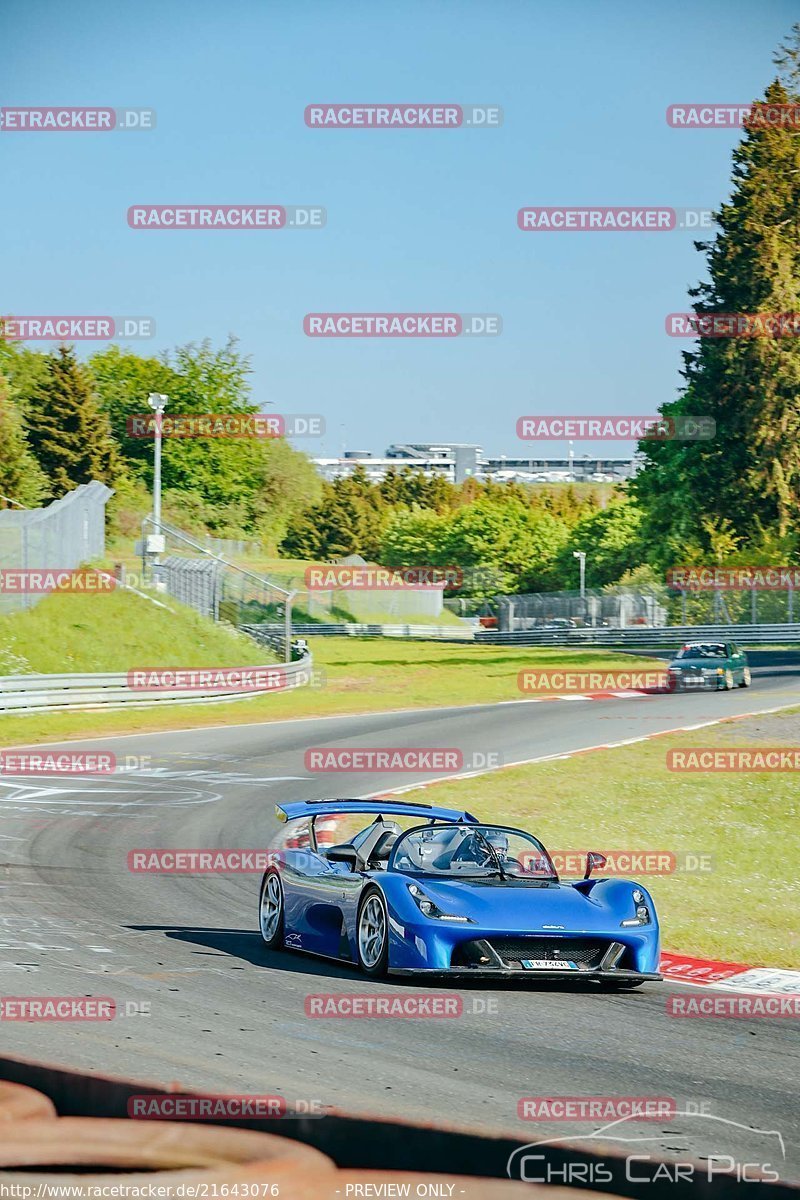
(498, 839)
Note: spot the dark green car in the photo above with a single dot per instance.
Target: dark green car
(719, 665)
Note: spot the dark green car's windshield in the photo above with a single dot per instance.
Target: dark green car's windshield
(704, 650)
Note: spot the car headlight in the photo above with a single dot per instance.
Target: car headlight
(428, 909)
(643, 916)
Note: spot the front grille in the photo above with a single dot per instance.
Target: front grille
(586, 952)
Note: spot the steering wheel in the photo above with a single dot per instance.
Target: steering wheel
(466, 853)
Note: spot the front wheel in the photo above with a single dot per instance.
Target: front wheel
(728, 681)
(270, 911)
(747, 678)
(373, 934)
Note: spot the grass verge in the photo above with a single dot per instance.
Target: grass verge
(114, 632)
(358, 675)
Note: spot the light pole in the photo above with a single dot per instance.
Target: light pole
(581, 555)
(158, 402)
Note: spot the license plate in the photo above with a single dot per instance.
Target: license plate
(548, 964)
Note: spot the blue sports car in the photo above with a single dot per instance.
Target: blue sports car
(447, 895)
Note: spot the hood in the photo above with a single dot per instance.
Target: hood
(598, 905)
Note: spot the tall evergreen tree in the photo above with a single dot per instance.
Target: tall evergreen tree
(747, 478)
(69, 434)
(22, 482)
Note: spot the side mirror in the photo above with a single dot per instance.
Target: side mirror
(345, 854)
(594, 859)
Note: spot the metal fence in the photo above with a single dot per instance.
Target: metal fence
(216, 588)
(618, 607)
(651, 607)
(228, 547)
(61, 536)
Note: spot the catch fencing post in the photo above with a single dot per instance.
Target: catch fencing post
(287, 632)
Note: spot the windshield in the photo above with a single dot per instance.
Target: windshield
(472, 850)
(703, 650)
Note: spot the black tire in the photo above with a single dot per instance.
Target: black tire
(371, 912)
(271, 931)
(746, 678)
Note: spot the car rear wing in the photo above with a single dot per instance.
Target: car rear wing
(403, 808)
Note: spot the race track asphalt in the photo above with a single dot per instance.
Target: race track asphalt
(228, 1016)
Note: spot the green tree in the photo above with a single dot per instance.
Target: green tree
(69, 434)
(234, 486)
(613, 544)
(748, 474)
(412, 488)
(21, 478)
(414, 537)
(349, 519)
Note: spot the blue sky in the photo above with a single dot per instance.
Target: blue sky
(421, 221)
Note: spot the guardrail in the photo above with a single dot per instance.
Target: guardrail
(631, 637)
(351, 629)
(643, 637)
(109, 691)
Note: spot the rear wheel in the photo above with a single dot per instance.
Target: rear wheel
(747, 678)
(373, 934)
(271, 911)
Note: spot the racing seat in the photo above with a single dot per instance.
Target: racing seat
(372, 846)
(379, 855)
